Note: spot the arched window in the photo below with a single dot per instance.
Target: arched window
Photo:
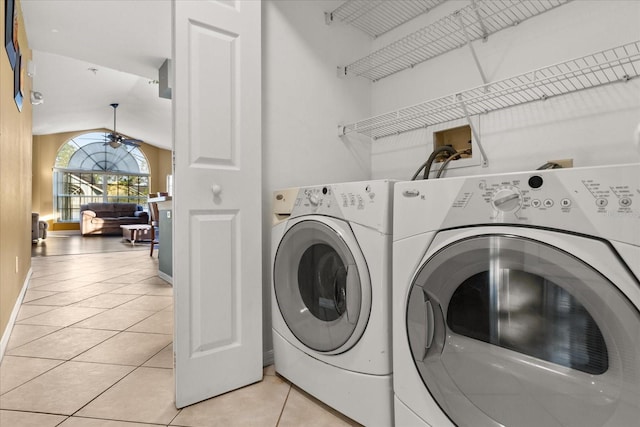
(89, 170)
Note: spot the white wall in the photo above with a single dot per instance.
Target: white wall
(303, 102)
(593, 127)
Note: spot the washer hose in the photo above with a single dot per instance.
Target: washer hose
(427, 165)
(549, 165)
(449, 159)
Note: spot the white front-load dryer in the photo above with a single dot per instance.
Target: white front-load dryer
(516, 299)
(331, 295)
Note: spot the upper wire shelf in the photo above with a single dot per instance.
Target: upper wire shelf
(475, 21)
(620, 63)
(376, 17)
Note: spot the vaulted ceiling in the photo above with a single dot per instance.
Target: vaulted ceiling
(91, 53)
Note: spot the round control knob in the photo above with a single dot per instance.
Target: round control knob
(506, 199)
(313, 199)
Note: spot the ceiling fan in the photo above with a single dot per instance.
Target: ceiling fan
(114, 139)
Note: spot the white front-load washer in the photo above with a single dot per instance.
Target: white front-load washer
(516, 299)
(331, 295)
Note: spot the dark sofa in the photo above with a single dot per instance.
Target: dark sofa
(106, 218)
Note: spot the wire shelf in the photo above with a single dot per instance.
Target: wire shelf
(479, 19)
(376, 17)
(620, 63)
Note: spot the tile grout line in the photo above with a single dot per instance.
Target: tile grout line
(39, 413)
(62, 362)
(284, 404)
(118, 332)
(34, 315)
(176, 416)
(135, 367)
(35, 339)
(104, 391)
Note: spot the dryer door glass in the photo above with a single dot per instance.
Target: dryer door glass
(317, 285)
(322, 282)
(511, 331)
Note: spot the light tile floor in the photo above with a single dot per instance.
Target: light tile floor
(92, 347)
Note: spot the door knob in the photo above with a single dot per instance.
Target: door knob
(216, 189)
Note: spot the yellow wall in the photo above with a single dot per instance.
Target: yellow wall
(15, 178)
(159, 177)
(45, 149)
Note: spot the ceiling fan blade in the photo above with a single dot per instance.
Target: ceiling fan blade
(114, 139)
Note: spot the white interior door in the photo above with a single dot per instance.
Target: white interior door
(217, 197)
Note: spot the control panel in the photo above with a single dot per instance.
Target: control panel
(316, 200)
(365, 202)
(325, 199)
(602, 201)
(537, 192)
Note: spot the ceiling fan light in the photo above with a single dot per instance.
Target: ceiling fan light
(114, 144)
(36, 98)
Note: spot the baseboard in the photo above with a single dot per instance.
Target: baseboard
(267, 358)
(63, 226)
(165, 277)
(4, 342)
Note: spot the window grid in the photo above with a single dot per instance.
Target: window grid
(98, 174)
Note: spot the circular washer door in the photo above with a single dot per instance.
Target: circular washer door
(510, 331)
(322, 284)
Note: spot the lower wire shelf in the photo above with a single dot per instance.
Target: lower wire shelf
(620, 63)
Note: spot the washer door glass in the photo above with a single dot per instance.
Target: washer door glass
(317, 285)
(509, 331)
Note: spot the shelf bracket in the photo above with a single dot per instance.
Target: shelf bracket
(468, 39)
(485, 33)
(328, 18)
(474, 132)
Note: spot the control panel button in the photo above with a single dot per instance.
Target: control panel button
(565, 203)
(535, 181)
(601, 202)
(625, 202)
(536, 203)
(547, 203)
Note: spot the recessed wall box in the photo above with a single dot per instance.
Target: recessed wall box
(565, 163)
(459, 138)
